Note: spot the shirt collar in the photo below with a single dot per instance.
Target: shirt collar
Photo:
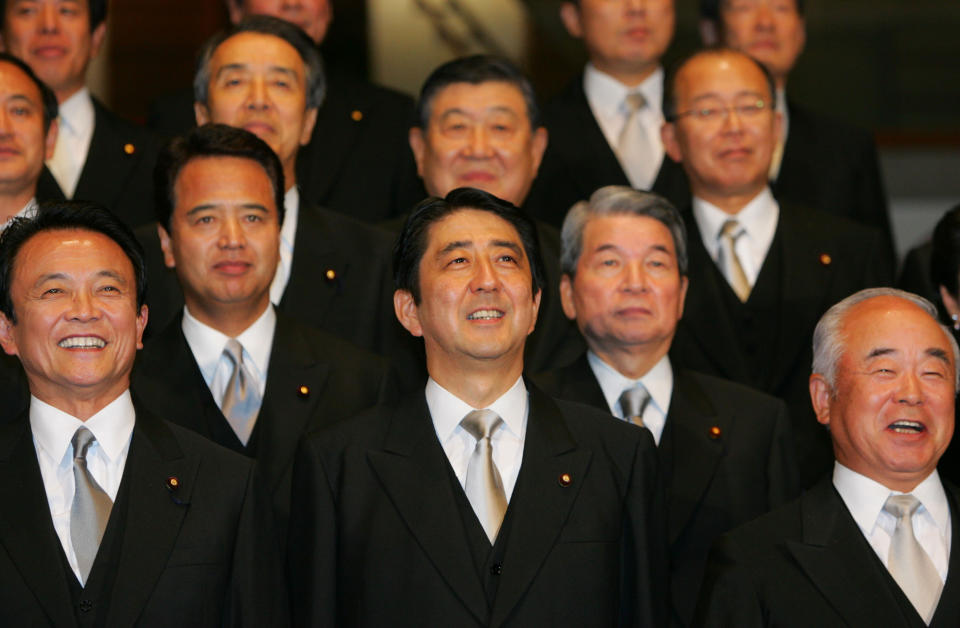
(77, 113)
(758, 217)
(865, 497)
(53, 429)
(207, 343)
(606, 94)
(291, 208)
(658, 381)
(447, 410)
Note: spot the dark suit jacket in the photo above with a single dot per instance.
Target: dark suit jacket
(578, 160)
(833, 167)
(383, 544)
(118, 171)
(340, 379)
(200, 555)
(823, 260)
(358, 161)
(713, 484)
(808, 564)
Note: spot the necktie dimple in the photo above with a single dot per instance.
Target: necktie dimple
(635, 149)
(241, 399)
(732, 267)
(633, 402)
(483, 485)
(908, 562)
(91, 506)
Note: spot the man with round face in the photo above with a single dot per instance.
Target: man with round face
(884, 382)
(625, 281)
(220, 233)
(761, 270)
(58, 39)
(818, 161)
(72, 312)
(463, 471)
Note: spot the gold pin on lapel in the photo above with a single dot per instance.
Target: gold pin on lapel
(173, 483)
(331, 274)
(356, 115)
(714, 432)
(825, 259)
(303, 391)
(129, 148)
(565, 480)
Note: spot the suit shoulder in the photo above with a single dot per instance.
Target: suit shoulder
(330, 348)
(338, 226)
(724, 392)
(762, 537)
(819, 226)
(213, 455)
(123, 130)
(592, 424)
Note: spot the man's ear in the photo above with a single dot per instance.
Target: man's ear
(821, 395)
(570, 16)
(141, 324)
(96, 39)
(949, 302)
(306, 134)
(566, 297)
(407, 312)
(668, 134)
(418, 146)
(7, 340)
(201, 113)
(166, 246)
(50, 142)
(536, 311)
(537, 146)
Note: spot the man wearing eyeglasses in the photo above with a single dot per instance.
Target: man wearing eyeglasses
(761, 272)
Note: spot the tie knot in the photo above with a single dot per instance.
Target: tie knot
(901, 506)
(731, 229)
(635, 101)
(82, 439)
(233, 350)
(633, 401)
(481, 423)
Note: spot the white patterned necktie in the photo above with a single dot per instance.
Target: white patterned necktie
(635, 148)
(483, 485)
(633, 403)
(241, 398)
(91, 506)
(730, 262)
(908, 562)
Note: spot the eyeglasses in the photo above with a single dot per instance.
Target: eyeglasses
(717, 112)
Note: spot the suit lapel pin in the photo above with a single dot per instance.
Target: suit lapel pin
(825, 259)
(565, 480)
(129, 148)
(714, 433)
(303, 391)
(356, 115)
(331, 274)
(173, 483)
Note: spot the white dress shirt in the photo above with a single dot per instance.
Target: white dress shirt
(288, 233)
(447, 410)
(75, 121)
(658, 381)
(207, 344)
(53, 432)
(606, 96)
(758, 218)
(865, 498)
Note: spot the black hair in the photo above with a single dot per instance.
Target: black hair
(65, 215)
(211, 140)
(945, 255)
(413, 241)
(48, 100)
(97, 11)
(475, 70)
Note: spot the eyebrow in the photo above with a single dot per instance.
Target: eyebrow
(468, 244)
(246, 66)
(211, 206)
(112, 274)
(494, 109)
(933, 352)
(21, 98)
(614, 247)
(744, 92)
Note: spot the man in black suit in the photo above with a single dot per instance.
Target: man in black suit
(116, 517)
(725, 450)
(605, 126)
(222, 235)
(871, 545)
(819, 162)
(357, 161)
(264, 75)
(477, 501)
(761, 272)
(98, 156)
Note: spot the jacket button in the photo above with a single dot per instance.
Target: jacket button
(496, 569)
(86, 606)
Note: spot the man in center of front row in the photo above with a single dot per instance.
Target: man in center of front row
(478, 501)
(725, 450)
(220, 217)
(112, 516)
(876, 543)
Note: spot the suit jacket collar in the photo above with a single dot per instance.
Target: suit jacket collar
(413, 469)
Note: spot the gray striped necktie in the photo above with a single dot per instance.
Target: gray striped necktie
(91, 506)
(732, 267)
(483, 485)
(241, 398)
(633, 403)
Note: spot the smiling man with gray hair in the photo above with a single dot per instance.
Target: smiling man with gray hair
(871, 544)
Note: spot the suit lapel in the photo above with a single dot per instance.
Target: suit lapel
(415, 474)
(309, 293)
(47, 187)
(106, 156)
(540, 505)
(154, 514)
(285, 411)
(695, 454)
(26, 531)
(948, 609)
(837, 559)
(581, 385)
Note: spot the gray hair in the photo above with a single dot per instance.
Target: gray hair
(617, 200)
(265, 25)
(829, 341)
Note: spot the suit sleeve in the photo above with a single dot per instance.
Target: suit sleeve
(257, 595)
(645, 571)
(312, 542)
(783, 480)
(728, 598)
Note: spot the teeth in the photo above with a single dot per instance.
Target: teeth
(907, 427)
(82, 342)
(484, 315)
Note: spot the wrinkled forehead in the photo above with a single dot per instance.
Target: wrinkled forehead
(257, 51)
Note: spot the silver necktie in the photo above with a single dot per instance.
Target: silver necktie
(732, 267)
(635, 149)
(91, 506)
(241, 398)
(483, 485)
(908, 563)
(633, 402)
